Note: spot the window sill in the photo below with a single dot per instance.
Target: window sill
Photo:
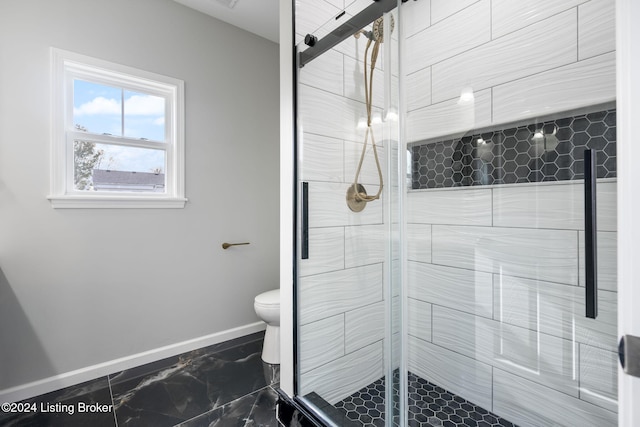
(116, 202)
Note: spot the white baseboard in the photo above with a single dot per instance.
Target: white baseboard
(57, 382)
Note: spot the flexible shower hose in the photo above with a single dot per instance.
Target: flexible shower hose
(368, 95)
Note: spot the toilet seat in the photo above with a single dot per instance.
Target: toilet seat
(269, 299)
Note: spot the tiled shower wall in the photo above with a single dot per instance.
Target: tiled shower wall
(341, 299)
(496, 272)
(516, 58)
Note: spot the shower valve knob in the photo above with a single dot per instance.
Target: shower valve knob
(310, 40)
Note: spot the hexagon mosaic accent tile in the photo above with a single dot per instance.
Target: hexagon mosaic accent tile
(545, 151)
(429, 406)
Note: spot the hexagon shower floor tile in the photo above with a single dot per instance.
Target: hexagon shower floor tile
(429, 405)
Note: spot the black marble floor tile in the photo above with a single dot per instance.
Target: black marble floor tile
(86, 404)
(223, 384)
(166, 394)
(254, 410)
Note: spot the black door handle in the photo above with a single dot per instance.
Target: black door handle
(590, 234)
(305, 222)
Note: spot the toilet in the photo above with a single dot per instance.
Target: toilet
(267, 307)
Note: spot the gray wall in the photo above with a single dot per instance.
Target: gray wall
(82, 287)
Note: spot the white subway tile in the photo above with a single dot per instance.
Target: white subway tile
(353, 47)
(340, 4)
(449, 118)
(599, 377)
(550, 255)
(555, 309)
(328, 114)
(542, 358)
(329, 294)
(328, 207)
(596, 28)
(321, 342)
(547, 45)
(528, 404)
(601, 332)
(324, 72)
(588, 82)
(457, 374)
(322, 158)
(369, 171)
(419, 319)
(311, 15)
(509, 16)
(353, 78)
(416, 16)
(441, 9)
(326, 251)
(364, 245)
(344, 376)
(461, 32)
(326, 204)
(419, 93)
(607, 260)
(462, 289)
(364, 326)
(558, 206)
(419, 242)
(450, 206)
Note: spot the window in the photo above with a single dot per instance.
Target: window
(118, 137)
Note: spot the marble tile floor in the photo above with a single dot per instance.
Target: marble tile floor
(226, 384)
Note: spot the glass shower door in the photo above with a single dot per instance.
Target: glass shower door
(506, 103)
(481, 280)
(347, 155)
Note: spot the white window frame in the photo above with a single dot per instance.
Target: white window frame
(66, 66)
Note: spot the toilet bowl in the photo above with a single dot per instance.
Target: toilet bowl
(267, 307)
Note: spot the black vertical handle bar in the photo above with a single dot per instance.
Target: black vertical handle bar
(305, 221)
(590, 234)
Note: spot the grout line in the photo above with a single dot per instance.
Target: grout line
(492, 387)
(506, 81)
(491, 20)
(505, 275)
(113, 403)
(577, 33)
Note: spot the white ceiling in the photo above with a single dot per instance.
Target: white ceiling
(256, 16)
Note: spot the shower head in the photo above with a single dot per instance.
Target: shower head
(377, 30)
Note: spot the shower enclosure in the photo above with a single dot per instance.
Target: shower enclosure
(456, 212)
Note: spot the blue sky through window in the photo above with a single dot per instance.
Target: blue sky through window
(101, 109)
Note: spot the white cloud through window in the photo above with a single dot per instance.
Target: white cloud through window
(138, 105)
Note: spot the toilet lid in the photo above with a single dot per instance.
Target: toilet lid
(269, 298)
